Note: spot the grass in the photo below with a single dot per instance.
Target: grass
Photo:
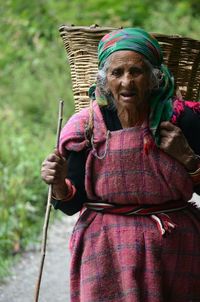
(29, 109)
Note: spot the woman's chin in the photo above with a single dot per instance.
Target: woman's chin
(128, 104)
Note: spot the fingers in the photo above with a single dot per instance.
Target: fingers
(49, 179)
(174, 143)
(167, 126)
(54, 157)
(169, 133)
(54, 168)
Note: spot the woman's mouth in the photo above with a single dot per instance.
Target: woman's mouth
(128, 95)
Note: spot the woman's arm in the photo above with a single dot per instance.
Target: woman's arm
(55, 170)
(189, 122)
(76, 173)
(174, 143)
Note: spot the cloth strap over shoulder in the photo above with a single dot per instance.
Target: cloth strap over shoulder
(90, 126)
(76, 134)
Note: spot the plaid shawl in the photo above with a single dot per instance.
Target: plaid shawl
(117, 168)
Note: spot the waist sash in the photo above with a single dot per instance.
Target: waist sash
(127, 210)
(156, 212)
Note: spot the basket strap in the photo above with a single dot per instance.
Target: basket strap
(90, 125)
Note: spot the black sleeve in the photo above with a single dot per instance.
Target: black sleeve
(76, 173)
(189, 122)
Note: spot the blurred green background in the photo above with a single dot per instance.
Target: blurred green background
(34, 76)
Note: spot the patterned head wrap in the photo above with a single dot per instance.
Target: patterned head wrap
(134, 39)
(142, 42)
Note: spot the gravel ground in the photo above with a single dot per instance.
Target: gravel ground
(20, 286)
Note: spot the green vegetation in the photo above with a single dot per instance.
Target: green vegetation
(34, 76)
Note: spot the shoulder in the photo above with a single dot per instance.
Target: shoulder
(73, 134)
(186, 116)
(186, 112)
(188, 109)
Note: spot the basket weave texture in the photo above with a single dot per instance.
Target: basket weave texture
(181, 55)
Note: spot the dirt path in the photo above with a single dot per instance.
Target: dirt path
(55, 280)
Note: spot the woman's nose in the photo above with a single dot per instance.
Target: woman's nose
(127, 80)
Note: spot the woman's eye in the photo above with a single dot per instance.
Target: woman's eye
(116, 72)
(136, 71)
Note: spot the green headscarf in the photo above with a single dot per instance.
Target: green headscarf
(142, 42)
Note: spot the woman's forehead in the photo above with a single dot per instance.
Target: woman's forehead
(125, 57)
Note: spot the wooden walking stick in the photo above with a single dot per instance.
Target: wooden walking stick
(48, 210)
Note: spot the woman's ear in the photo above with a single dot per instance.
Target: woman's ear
(178, 94)
(156, 79)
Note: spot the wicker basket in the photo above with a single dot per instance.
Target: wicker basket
(182, 55)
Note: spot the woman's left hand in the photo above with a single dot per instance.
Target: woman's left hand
(174, 143)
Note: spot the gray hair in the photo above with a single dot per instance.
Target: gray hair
(155, 75)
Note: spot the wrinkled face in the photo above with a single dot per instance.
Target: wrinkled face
(128, 80)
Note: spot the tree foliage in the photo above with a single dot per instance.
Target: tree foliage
(34, 76)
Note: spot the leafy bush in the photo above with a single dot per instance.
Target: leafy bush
(34, 76)
(30, 92)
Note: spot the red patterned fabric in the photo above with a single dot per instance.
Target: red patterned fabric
(125, 258)
(179, 107)
(117, 168)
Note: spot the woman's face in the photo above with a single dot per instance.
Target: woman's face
(128, 80)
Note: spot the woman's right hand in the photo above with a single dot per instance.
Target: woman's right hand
(53, 172)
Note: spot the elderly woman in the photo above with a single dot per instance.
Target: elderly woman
(130, 163)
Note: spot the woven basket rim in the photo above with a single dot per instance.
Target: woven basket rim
(98, 29)
(180, 53)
